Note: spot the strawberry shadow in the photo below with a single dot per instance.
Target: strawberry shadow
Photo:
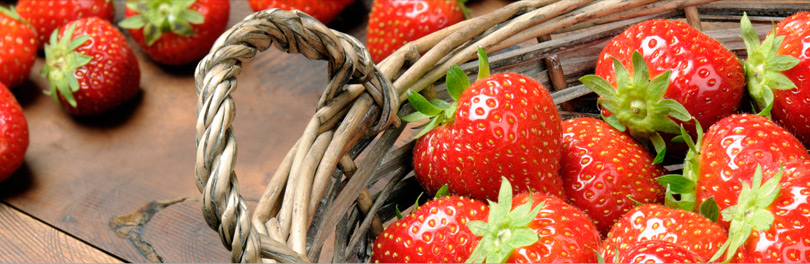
(27, 93)
(115, 117)
(18, 183)
(177, 70)
(352, 17)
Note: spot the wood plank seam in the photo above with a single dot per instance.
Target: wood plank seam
(63, 232)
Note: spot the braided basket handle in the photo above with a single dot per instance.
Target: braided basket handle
(224, 208)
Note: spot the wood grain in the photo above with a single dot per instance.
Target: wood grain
(25, 239)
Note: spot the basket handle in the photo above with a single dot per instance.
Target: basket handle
(349, 62)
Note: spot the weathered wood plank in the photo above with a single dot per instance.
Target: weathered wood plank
(25, 239)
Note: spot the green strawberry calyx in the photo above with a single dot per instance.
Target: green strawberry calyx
(440, 112)
(505, 229)
(684, 184)
(750, 213)
(763, 68)
(61, 61)
(637, 103)
(161, 16)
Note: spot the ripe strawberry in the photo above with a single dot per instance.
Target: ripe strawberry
(176, 32)
(605, 171)
(769, 221)
(46, 16)
(550, 232)
(505, 125)
(728, 155)
(90, 67)
(324, 11)
(778, 69)
(656, 222)
(435, 232)
(13, 134)
(18, 48)
(392, 23)
(654, 251)
(694, 75)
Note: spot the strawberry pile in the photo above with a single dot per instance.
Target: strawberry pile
(588, 190)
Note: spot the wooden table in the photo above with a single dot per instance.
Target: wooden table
(120, 187)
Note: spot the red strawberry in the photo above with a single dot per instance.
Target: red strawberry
(46, 16)
(728, 155)
(605, 171)
(694, 75)
(436, 232)
(770, 219)
(656, 222)
(324, 11)
(175, 32)
(90, 67)
(778, 69)
(550, 232)
(18, 48)
(13, 134)
(505, 125)
(654, 251)
(392, 23)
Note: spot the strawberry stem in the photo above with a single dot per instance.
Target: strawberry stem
(161, 16)
(684, 185)
(505, 229)
(440, 112)
(764, 68)
(750, 213)
(61, 61)
(637, 103)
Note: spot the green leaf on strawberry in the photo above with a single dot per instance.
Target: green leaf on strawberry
(505, 229)
(440, 112)
(684, 185)
(637, 103)
(709, 209)
(764, 68)
(62, 61)
(160, 16)
(751, 211)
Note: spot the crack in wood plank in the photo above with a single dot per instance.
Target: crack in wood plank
(131, 226)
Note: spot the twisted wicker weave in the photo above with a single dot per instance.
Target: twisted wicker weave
(319, 189)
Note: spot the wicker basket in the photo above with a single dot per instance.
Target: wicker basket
(321, 189)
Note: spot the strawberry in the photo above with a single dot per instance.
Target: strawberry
(435, 232)
(46, 16)
(18, 48)
(176, 32)
(694, 75)
(324, 11)
(654, 251)
(769, 221)
(605, 171)
(13, 134)
(729, 153)
(502, 125)
(392, 23)
(689, 230)
(90, 67)
(777, 71)
(658, 251)
(534, 228)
